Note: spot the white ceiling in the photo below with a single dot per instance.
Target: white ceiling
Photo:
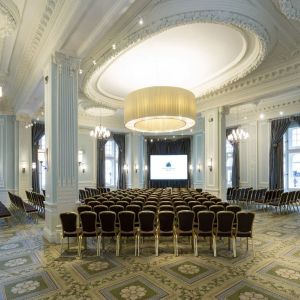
(215, 48)
(186, 56)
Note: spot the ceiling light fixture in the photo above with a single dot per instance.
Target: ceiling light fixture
(100, 132)
(114, 46)
(160, 109)
(237, 135)
(141, 21)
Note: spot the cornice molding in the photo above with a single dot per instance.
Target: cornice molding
(238, 20)
(258, 79)
(288, 9)
(10, 17)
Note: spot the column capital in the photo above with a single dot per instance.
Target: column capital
(62, 59)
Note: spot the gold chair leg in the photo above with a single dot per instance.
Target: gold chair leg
(157, 244)
(214, 246)
(253, 246)
(61, 244)
(234, 246)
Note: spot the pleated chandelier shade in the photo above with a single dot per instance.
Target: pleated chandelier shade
(160, 109)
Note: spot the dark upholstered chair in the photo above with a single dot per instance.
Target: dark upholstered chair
(244, 226)
(185, 226)
(108, 226)
(69, 227)
(127, 228)
(146, 227)
(225, 228)
(89, 228)
(205, 228)
(165, 227)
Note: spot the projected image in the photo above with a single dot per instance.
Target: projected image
(168, 167)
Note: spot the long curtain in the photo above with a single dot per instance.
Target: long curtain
(37, 132)
(180, 146)
(235, 177)
(278, 128)
(120, 141)
(101, 163)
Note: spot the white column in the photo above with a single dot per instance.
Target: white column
(215, 168)
(135, 160)
(61, 127)
(25, 159)
(198, 153)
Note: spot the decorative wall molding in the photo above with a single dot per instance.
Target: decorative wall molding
(258, 79)
(288, 8)
(9, 18)
(240, 21)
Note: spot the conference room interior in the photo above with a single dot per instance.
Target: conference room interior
(149, 149)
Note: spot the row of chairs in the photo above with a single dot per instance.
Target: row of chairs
(288, 201)
(90, 192)
(21, 208)
(209, 225)
(37, 200)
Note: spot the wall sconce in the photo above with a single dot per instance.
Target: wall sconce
(146, 168)
(23, 170)
(125, 168)
(83, 169)
(33, 166)
(209, 164)
(80, 157)
(199, 168)
(136, 168)
(43, 157)
(191, 167)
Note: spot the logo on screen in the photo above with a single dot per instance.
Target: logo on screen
(168, 165)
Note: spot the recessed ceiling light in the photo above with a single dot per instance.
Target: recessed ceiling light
(114, 46)
(245, 118)
(80, 71)
(281, 113)
(141, 21)
(94, 62)
(262, 116)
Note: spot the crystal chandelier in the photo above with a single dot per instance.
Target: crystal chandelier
(100, 132)
(237, 135)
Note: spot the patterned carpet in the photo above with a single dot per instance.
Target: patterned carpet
(32, 269)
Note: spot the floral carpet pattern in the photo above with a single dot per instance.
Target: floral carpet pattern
(30, 268)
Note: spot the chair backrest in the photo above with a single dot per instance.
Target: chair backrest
(88, 221)
(126, 220)
(108, 203)
(166, 220)
(147, 220)
(107, 221)
(94, 203)
(225, 221)
(205, 221)
(178, 203)
(68, 221)
(182, 207)
(216, 208)
(83, 208)
(244, 223)
(208, 203)
(166, 208)
(193, 203)
(233, 208)
(185, 220)
(123, 203)
(116, 208)
(150, 208)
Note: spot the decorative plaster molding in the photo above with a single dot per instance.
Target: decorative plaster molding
(280, 72)
(241, 21)
(9, 17)
(289, 10)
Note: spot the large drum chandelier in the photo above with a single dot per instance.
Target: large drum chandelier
(160, 109)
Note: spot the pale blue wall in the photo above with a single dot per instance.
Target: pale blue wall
(8, 155)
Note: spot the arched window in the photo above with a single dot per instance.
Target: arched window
(291, 158)
(111, 163)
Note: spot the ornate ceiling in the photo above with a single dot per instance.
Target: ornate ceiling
(226, 51)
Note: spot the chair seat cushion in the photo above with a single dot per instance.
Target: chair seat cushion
(29, 208)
